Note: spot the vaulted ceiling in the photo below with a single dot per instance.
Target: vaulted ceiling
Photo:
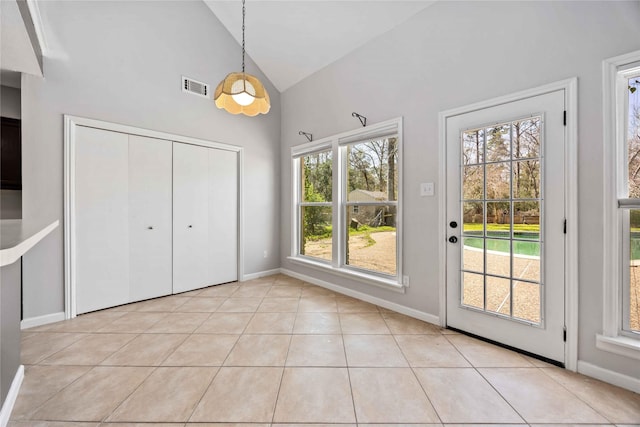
(290, 40)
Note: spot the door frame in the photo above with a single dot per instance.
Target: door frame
(570, 86)
(70, 125)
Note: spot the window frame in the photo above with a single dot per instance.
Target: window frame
(338, 144)
(302, 203)
(614, 337)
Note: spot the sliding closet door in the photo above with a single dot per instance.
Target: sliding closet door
(101, 218)
(150, 201)
(223, 216)
(190, 217)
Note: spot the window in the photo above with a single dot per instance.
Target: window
(630, 208)
(347, 211)
(621, 329)
(315, 205)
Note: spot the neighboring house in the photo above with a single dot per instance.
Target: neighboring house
(366, 214)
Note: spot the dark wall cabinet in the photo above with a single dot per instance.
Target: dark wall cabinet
(10, 155)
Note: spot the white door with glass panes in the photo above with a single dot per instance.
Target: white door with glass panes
(505, 223)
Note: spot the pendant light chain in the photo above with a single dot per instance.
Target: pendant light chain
(243, 12)
(241, 93)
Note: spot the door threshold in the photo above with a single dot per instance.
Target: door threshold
(508, 347)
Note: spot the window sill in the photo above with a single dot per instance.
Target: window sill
(621, 345)
(369, 279)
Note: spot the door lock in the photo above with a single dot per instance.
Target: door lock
(453, 239)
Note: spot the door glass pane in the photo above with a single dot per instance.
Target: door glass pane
(526, 301)
(526, 179)
(498, 219)
(316, 231)
(502, 196)
(473, 183)
(498, 180)
(473, 147)
(473, 254)
(371, 243)
(473, 219)
(526, 220)
(473, 290)
(498, 257)
(499, 143)
(526, 260)
(526, 138)
(499, 295)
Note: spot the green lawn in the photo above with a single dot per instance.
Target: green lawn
(532, 228)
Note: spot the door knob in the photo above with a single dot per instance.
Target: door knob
(453, 224)
(453, 239)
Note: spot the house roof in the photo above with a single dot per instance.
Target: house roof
(375, 195)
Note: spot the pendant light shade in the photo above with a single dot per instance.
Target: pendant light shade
(242, 93)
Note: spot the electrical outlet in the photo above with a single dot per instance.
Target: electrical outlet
(426, 189)
(405, 281)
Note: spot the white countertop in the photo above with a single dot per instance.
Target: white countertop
(16, 238)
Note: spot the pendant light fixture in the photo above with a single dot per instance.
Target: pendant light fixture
(241, 92)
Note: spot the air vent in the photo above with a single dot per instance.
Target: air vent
(195, 87)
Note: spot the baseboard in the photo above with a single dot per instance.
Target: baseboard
(259, 274)
(611, 377)
(411, 312)
(32, 322)
(7, 406)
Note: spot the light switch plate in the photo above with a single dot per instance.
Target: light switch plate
(426, 189)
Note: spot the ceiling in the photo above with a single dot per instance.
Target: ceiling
(290, 40)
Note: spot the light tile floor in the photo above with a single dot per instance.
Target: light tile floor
(276, 351)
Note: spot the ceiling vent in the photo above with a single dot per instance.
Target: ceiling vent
(195, 87)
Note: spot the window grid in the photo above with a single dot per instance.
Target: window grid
(483, 162)
(343, 210)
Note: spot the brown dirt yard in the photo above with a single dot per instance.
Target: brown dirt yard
(379, 257)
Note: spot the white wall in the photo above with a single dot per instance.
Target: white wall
(121, 62)
(450, 55)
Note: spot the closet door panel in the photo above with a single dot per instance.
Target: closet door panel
(223, 216)
(190, 217)
(102, 219)
(150, 222)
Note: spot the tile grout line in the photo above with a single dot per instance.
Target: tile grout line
(487, 381)
(413, 371)
(500, 394)
(155, 368)
(195, 407)
(84, 335)
(543, 370)
(346, 361)
(275, 403)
